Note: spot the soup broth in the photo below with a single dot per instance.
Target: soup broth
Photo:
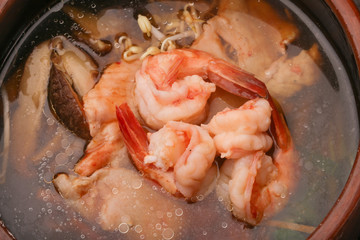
(322, 119)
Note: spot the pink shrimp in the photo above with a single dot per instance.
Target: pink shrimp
(106, 147)
(170, 86)
(251, 183)
(178, 156)
(264, 190)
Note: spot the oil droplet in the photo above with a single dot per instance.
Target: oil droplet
(179, 212)
(138, 229)
(93, 5)
(136, 184)
(168, 233)
(50, 121)
(115, 191)
(204, 233)
(49, 154)
(82, 236)
(158, 226)
(169, 214)
(65, 143)
(48, 177)
(80, 15)
(61, 158)
(200, 198)
(69, 152)
(224, 225)
(229, 208)
(123, 228)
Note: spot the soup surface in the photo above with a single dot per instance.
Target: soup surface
(321, 117)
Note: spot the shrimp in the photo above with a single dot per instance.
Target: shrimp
(259, 185)
(178, 156)
(238, 132)
(251, 183)
(170, 86)
(115, 87)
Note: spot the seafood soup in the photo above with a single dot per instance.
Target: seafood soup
(160, 119)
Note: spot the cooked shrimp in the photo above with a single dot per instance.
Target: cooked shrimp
(178, 156)
(170, 86)
(242, 131)
(251, 183)
(256, 186)
(115, 87)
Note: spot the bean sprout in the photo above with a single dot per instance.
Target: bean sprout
(150, 51)
(170, 40)
(144, 24)
(189, 17)
(157, 34)
(192, 19)
(132, 53)
(125, 42)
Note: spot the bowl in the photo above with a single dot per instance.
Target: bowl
(339, 21)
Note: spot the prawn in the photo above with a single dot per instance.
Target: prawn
(178, 156)
(262, 197)
(170, 87)
(251, 183)
(114, 87)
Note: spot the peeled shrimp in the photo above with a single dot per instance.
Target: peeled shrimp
(251, 183)
(178, 156)
(241, 131)
(115, 87)
(170, 86)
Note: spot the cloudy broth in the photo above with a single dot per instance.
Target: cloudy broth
(322, 119)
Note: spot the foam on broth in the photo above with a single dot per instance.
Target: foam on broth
(322, 120)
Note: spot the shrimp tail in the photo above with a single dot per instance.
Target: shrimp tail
(246, 85)
(137, 143)
(235, 80)
(133, 134)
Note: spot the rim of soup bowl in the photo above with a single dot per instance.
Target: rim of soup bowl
(344, 216)
(342, 220)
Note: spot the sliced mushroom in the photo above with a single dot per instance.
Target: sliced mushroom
(73, 74)
(66, 103)
(78, 65)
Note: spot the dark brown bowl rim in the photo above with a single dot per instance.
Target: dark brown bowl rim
(334, 223)
(347, 205)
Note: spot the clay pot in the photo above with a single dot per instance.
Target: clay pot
(340, 18)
